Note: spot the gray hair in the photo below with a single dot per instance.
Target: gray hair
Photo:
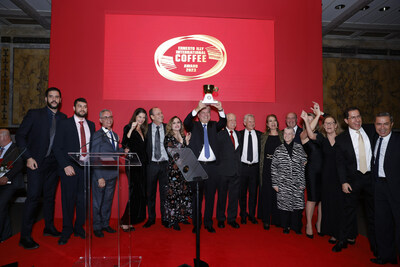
(385, 114)
(104, 110)
(290, 128)
(247, 116)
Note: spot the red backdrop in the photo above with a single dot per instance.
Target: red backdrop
(78, 43)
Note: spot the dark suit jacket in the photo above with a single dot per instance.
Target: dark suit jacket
(228, 158)
(241, 141)
(196, 129)
(346, 161)
(100, 142)
(34, 133)
(149, 141)
(67, 140)
(15, 174)
(297, 135)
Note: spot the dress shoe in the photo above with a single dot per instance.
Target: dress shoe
(80, 234)
(351, 241)
(210, 229)
(63, 240)
(28, 243)
(234, 224)
(98, 233)
(243, 220)
(148, 224)
(165, 224)
(380, 261)
(108, 229)
(266, 226)
(176, 226)
(339, 246)
(253, 220)
(51, 232)
(286, 230)
(221, 224)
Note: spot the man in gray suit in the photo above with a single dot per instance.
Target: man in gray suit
(104, 178)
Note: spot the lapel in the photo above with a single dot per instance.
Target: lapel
(75, 130)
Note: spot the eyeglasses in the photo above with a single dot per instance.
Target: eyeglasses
(354, 117)
(107, 118)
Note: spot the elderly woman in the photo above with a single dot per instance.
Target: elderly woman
(287, 169)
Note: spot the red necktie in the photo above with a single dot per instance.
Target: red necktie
(83, 139)
(233, 139)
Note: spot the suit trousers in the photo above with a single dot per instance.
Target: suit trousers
(291, 219)
(227, 184)
(42, 180)
(248, 181)
(6, 194)
(387, 221)
(72, 197)
(102, 203)
(156, 171)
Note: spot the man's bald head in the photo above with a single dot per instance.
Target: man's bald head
(5, 137)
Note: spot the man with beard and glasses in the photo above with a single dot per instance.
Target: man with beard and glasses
(36, 135)
(73, 135)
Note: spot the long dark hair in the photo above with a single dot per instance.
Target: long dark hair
(267, 129)
(144, 126)
(169, 127)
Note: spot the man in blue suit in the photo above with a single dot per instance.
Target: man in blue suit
(104, 178)
(73, 135)
(36, 134)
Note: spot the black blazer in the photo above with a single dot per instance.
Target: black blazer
(241, 141)
(228, 158)
(15, 174)
(346, 161)
(149, 141)
(196, 129)
(34, 135)
(297, 135)
(67, 140)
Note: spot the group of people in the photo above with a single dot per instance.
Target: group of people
(245, 169)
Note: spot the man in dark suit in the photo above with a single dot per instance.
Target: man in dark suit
(73, 135)
(157, 167)
(228, 161)
(353, 160)
(250, 141)
(203, 143)
(291, 122)
(36, 135)
(104, 178)
(386, 171)
(10, 182)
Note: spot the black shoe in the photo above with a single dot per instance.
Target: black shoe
(339, 246)
(210, 229)
(176, 226)
(234, 224)
(80, 234)
(253, 220)
(310, 236)
(221, 224)
(51, 232)
(379, 260)
(243, 220)
(63, 240)
(98, 233)
(108, 229)
(351, 241)
(148, 224)
(332, 241)
(28, 243)
(266, 226)
(286, 230)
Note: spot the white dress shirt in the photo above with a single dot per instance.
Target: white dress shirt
(354, 139)
(385, 141)
(245, 145)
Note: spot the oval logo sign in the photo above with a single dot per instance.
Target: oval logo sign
(189, 58)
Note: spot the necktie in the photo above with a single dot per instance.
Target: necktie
(83, 139)
(250, 149)
(112, 140)
(206, 143)
(52, 133)
(157, 148)
(378, 152)
(233, 139)
(361, 154)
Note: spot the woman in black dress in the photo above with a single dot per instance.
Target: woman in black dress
(134, 140)
(178, 204)
(267, 205)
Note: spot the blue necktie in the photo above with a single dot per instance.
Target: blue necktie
(206, 143)
(112, 140)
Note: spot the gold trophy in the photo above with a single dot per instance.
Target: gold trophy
(208, 90)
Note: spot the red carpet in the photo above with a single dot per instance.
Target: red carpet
(250, 245)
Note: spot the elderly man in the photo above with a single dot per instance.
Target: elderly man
(291, 122)
(10, 181)
(288, 180)
(204, 146)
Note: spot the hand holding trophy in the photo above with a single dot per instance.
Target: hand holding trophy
(208, 90)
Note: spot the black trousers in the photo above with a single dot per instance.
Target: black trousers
(6, 194)
(291, 219)
(42, 180)
(156, 172)
(227, 184)
(248, 181)
(387, 221)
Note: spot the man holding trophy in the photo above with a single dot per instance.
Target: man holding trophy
(204, 146)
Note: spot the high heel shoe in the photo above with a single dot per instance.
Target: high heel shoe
(319, 233)
(310, 236)
(128, 228)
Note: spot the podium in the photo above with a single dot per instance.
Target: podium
(119, 254)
